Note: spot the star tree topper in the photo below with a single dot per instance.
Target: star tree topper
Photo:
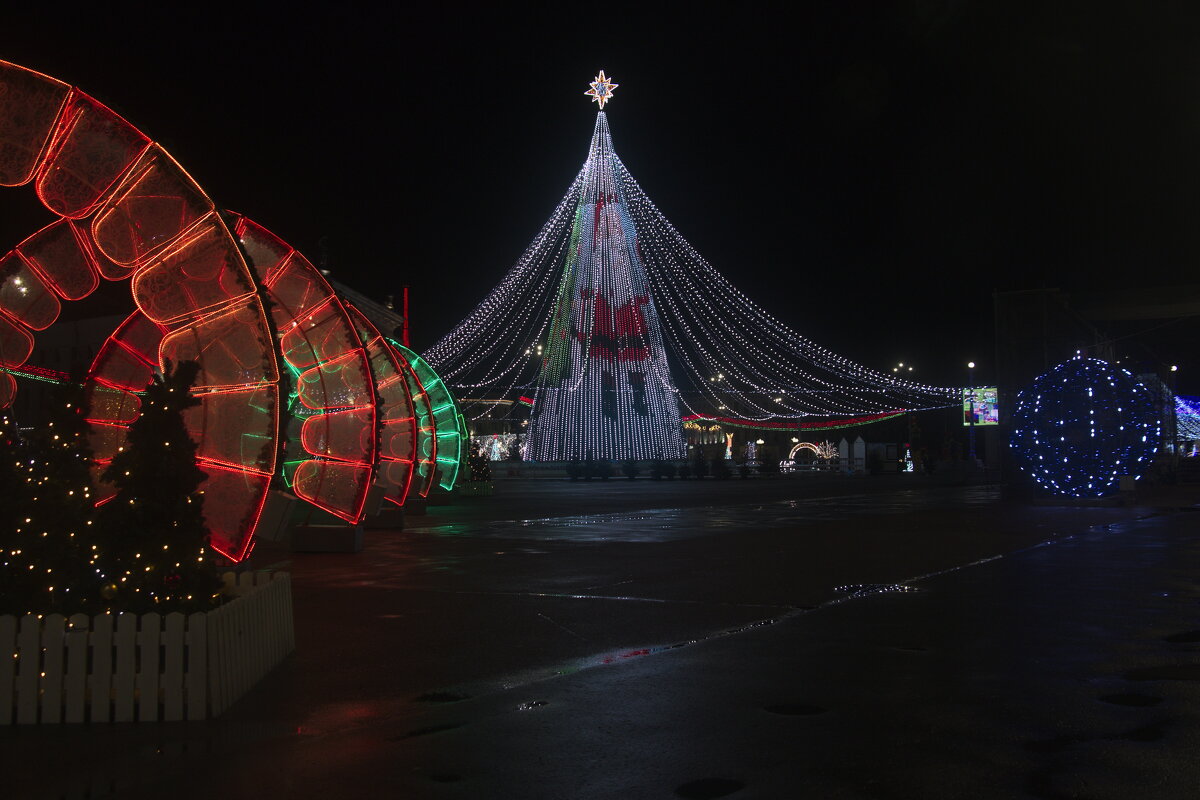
(602, 89)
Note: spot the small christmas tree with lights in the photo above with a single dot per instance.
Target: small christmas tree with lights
(13, 542)
(154, 540)
(10, 479)
(481, 469)
(49, 557)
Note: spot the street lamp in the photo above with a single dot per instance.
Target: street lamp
(971, 418)
(1174, 414)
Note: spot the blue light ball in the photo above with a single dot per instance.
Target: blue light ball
(1081, 426)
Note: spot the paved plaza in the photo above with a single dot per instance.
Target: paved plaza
(801, 636)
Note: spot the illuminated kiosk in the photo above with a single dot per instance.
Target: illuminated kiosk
(612, 331)
(198, 277)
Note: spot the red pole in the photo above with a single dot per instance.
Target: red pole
(405, 305)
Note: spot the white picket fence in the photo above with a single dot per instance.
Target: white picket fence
(127, 667)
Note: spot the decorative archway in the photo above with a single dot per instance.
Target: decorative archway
(127, 211)
(198, 277)
(822, 450)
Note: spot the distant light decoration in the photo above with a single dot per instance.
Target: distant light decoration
(822, 450)
(610, 286)
(1187, 418)
(602, 89)
(497, 446)
(1081, 426)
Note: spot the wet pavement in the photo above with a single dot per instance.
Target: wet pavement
(790, 638)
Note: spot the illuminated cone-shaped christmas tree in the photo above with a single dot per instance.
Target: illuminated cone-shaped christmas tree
(577, 327)
(604, 388)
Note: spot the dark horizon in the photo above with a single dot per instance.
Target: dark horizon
(870, 177)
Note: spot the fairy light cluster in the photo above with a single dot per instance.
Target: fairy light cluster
(143, 550)
(48, 556)
(497, 446)
(1081, 426)
(535, 332)
(1187, 418)
(153, 528)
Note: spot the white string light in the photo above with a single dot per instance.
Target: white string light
(724, 351)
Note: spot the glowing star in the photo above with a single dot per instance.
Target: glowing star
(602, 89)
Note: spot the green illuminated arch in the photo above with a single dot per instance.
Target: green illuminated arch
(449, 426)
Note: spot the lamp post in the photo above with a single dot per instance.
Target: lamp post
(901, 370)
(1173, 433)
(971, 417)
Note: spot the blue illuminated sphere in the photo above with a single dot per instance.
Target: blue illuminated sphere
(1081, 426)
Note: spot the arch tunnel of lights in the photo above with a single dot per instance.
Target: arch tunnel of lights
(297, 387)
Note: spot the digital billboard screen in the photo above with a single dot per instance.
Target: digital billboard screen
(982, 403)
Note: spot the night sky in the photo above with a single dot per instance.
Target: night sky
(869, 173)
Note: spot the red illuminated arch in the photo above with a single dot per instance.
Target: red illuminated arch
(332, 375)
(128, 211)
(398, 431)
(355, 413)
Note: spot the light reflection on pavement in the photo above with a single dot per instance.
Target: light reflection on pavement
(667, 524)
